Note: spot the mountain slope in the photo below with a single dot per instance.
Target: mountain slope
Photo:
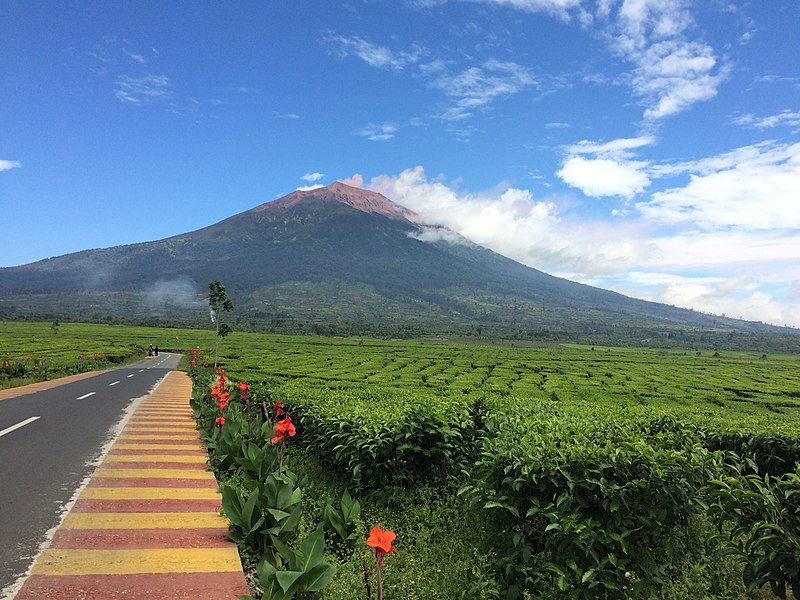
(342, 260)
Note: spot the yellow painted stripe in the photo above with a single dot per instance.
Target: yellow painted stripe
(143, 520)
(130, 562)
(131, 493)
(155, 473)
(148, 427)
(176, 458)
(163, 419)
(175, 435)
(154, 446)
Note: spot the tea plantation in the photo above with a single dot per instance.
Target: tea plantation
(506, 472)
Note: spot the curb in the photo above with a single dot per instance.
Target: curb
(148, 523)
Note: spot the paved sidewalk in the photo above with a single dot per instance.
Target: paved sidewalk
(147, 525)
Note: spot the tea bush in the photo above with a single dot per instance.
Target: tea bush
(380, 436)
(589, 498)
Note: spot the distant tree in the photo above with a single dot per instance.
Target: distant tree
(54, 327)
(218, 303)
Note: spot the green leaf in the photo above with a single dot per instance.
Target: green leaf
(319, 577)
(312, 549)
(287, 578)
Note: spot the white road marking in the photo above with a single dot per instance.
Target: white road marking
(141, 370)
(17, 426)
(85, 396)
(131, 375)
(115, 383)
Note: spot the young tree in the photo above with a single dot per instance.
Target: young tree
(218, 302)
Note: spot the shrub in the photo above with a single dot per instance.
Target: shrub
(380, 436)
(764, 515)
(589, 498)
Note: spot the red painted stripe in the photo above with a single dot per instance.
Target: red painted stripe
(154, 505)
(165, 586)
(110, 463)
(148, 482)
(105, 539)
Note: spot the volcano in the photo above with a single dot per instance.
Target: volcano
(345, 260)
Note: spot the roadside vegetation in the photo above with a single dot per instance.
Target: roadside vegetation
(541, 472)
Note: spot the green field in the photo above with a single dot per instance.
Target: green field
(406, 425)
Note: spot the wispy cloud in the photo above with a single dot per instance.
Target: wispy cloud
(786, 117)
(7, 165)
(315, 176)
(137, 90)
(138, 58)
(378, 132)
(291, 116)
(476, 87)
(373, 54)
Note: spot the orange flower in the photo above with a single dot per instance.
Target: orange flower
(220, 371)
(279, 408)
(244, 386)
(220, 421)
(381, 540)
(215, 391)
(282, 429)
(222, 404)
(5, 364)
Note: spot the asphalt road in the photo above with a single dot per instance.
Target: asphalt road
(48, 442)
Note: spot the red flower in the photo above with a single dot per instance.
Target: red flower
(5, 364)
(220, 422)
(244, 386)
(215, 391)
(222, 404)
(279, 408)
(282, 428)
(381, 540)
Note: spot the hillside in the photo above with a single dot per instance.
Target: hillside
(345, 260)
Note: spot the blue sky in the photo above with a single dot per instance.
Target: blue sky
(648, 146)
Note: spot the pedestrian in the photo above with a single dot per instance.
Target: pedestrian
(150, 350)
(156, 350)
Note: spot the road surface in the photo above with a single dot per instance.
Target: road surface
(48, 442)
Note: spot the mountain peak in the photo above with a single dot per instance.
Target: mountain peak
(358, 198)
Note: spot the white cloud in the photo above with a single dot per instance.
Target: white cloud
(477, 86)
(785, 117)
(614, 148)
(604, 177)
(671, 71)
(136, 90)
(378, 132)
(510, 221)
(754, 188)
(7, 165)
(357, 180)
(737, 297)
(559, 8)
(610, 172)
(315, 176)
(373, 54)
(308, 188)
(673, 75)
(557, 125)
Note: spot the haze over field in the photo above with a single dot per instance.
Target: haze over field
(651, 147)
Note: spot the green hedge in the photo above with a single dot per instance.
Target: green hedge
(380, 436)
(589, 498)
